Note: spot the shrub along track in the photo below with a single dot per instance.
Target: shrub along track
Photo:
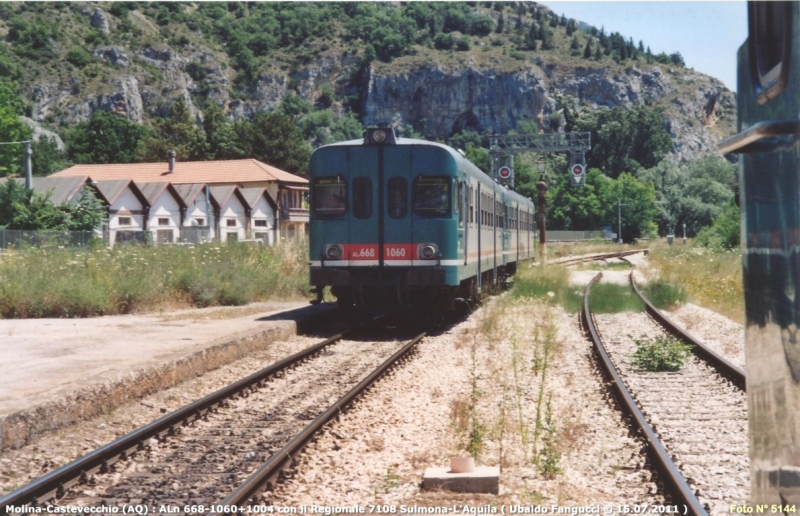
(698, 414)
(220, 440)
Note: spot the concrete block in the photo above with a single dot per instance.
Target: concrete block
(485, 479)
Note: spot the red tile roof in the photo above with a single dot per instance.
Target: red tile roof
(208, 172)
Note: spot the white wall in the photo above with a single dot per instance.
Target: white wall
(197, 210)
(128, 204)
(263, 211)
(233, 210)
(166, 207)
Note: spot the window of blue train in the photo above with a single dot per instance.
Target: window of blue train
(398, 197)
(770, 37)
(460, 204)
(329, 196)
(431, 196)
(362, 197)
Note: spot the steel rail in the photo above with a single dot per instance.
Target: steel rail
(267, 473)
(668, 472)
(596, 257)
(56, 482)
(733, 373)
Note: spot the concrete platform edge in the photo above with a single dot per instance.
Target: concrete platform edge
(26, 426)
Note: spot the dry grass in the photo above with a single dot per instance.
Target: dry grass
(712, 279)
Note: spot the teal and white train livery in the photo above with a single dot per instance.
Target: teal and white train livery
(396, 221)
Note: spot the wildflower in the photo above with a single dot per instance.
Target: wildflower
(551, 294)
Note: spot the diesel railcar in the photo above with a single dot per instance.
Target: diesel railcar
(398, 221)
(767, 142)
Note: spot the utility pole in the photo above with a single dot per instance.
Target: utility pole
(619, 219)
(542, 187)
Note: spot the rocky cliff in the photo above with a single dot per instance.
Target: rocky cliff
(698, 110)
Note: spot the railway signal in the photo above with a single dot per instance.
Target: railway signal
(577, 174)
(504, 172)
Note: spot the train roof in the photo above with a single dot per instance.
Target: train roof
(453, 152)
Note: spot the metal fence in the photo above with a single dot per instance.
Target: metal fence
(576, 236)
(19, 238)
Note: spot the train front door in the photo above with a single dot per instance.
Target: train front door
(397, 178)
(363, 227)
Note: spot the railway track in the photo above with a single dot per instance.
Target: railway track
(232, 442)
(694, 421)
(591, 258)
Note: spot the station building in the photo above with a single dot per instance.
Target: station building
(197, 200)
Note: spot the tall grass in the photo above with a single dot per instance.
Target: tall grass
(664, 295)
(710, 278)
(609, 298)
(548, 282)
(89, 282)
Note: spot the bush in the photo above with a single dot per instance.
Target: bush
(724, 233)
(79, 57)
(659, 354)
(443, 42)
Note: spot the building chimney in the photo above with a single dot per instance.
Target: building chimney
(171, 158)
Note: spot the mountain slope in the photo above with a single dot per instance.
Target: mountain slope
(436, 68)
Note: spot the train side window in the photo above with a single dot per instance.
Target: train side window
(769, 47)
(398, 197)
(431, 196)
(329, 195)
(362, 197)
(460, 204)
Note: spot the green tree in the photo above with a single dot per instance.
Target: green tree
(583, 208)
(547, 40)
(275, 139)
(587, 50)
(179, 133)
(638, 216)
(12, 129)
(575, 46)
(25, 209)
(9, 97)
(86, 212)
(47, 158)
(693, 194)
(725, 232)
(105, 138)
(624, 140)
(220, 135)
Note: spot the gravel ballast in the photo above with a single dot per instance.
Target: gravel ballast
(482, 378)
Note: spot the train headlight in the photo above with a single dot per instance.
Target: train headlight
(379, 136)
(428, 251)
(334, 252)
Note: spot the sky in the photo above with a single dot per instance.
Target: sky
(707, 34)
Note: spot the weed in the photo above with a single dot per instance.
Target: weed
(548, 459)
(540, 364)
(659, 354)
(390, 481)
(518, 393)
